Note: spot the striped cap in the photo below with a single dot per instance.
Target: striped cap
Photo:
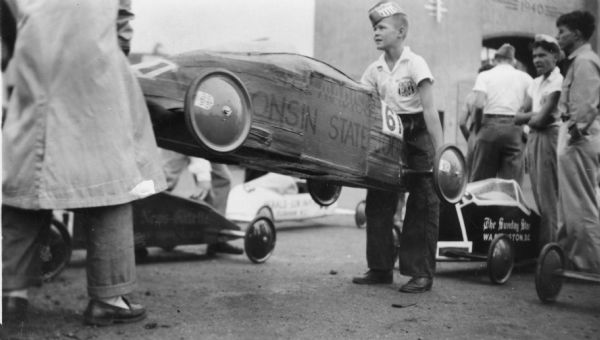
(382, 10)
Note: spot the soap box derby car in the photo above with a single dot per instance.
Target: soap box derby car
(276, 112)
(285, 113)
(491, 223)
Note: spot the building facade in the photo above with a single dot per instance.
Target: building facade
(454, 36)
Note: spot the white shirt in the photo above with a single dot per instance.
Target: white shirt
(399, 87)
(505, 87)
(541, 88)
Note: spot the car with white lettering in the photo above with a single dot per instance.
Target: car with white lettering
(278, 197)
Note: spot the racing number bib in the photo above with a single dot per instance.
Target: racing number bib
(391, 122)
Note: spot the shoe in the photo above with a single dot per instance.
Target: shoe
(224, 248)
(373, 277)
(99, 313)
(417, 285)
(14, 309)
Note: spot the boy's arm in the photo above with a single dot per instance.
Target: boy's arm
(464, 115)
(524, 114)
(432, 119)
(544, 117)
(480, 98)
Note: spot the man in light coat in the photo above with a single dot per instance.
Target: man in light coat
(77, 135)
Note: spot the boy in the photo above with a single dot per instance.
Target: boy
(579, 155)
(403, 81)
(542, 117)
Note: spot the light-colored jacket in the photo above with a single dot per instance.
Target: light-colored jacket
(77, 130)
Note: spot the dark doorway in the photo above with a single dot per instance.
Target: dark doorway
(522, 46)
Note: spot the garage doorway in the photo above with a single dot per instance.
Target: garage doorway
(522, 44)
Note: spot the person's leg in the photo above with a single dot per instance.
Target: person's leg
(418, 243)
(174, 164)
(110, 264)
(512, 152)
(380, 209)
(579, 166)
(221, 186)
(21, 242)
(543, 173)
(22, 237)
(486, 157)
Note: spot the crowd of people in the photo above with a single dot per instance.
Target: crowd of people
(559, 146)
(77, 135)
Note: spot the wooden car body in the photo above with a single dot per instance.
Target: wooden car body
(306, 119)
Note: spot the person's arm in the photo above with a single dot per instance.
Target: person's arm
(524, 114)
(479, 104)
(124, 30)
(464, 115)
(432, 119)
(544, 117)
(583, 93)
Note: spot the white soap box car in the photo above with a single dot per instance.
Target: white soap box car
(279, 197)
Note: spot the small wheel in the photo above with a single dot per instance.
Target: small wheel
(500, 259)
(265, 211)
(397, 234)
(360, 215)
(547, 281)
(259, 240)
(56, 253)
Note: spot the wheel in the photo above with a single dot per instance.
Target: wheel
(500, 259)
(265, 211)
(360, 215)
(218, 111)
(322, 192)
(56, 253)
(259, 240)
(547, 283)
(450, 174)
(397, 234)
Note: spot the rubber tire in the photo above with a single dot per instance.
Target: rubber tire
(500, 259)
(360, 215)
(259, 243)
(58, 247)
(547, 284)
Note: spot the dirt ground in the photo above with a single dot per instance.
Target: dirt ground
(304, 291)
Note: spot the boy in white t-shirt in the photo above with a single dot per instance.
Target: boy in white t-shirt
(542, 117)
(404, 82)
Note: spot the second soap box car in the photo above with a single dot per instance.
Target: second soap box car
(278, 197)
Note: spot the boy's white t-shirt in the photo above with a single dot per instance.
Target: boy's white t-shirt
(399, 87)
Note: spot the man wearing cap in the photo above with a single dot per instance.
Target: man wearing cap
(542, 117)
(500, 93)
(403, 81)
(579, 156)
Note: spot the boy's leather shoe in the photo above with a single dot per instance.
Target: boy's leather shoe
(417, 285)
(99, 313)
(373, 277)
